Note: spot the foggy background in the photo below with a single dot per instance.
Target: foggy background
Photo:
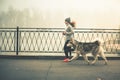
(51, 13)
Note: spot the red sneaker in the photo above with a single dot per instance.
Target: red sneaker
(66, 60)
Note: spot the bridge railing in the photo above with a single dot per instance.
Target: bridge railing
(51, 40)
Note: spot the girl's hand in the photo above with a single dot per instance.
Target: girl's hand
(64, 33)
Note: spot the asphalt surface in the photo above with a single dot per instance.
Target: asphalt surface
(37, 69)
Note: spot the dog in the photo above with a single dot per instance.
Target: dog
(83, 48)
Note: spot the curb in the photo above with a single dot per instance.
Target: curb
(51, 57)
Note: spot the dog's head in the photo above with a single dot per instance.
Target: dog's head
(72, 43)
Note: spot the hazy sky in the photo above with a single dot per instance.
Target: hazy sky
(86, 13)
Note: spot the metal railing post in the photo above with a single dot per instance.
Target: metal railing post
(17, 41)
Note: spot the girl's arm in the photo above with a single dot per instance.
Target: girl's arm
(71, 31)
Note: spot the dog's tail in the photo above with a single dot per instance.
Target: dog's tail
(97, 42)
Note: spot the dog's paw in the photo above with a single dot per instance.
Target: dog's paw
(106, 63)
(69, 60)
(92, 63)
(88, 63)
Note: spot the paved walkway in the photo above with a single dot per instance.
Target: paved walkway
(37, 69)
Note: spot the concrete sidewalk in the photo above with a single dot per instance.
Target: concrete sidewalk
(37, 69)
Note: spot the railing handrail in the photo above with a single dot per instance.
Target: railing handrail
(63, 28)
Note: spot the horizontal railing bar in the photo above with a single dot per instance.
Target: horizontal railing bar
(75, 31)
(43, 51)
(6, 31)
(75, 28)
(7, 28)
(63, 28)
(7, 51)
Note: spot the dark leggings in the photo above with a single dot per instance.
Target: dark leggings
(67, 49)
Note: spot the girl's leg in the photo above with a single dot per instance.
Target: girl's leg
(66, 54)
(69, 50)
(66, 51)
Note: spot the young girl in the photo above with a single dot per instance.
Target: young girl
(69, 33)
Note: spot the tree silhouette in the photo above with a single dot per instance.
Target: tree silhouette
(24, 18)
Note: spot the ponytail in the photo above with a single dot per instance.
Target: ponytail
(73, 24)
